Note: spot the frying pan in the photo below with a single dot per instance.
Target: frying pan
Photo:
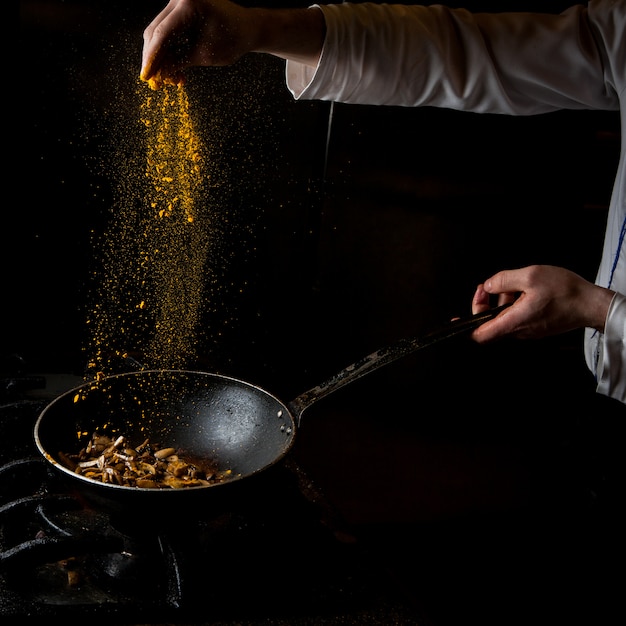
(240, 426)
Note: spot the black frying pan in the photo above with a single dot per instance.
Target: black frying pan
(239, 425)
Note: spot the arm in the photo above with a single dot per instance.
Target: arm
(219, 32)
(400, 54)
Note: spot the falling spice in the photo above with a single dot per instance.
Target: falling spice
(178, 241)
(154, 268)
(175, 281)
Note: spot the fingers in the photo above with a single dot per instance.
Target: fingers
(507, 282)
(480, 301)
(503, 285)
(507, 285)
(152, 44)
(158, 38)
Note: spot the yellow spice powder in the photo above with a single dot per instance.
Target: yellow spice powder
(151, 283)
(177, 246)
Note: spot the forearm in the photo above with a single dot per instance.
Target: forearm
(291, 34)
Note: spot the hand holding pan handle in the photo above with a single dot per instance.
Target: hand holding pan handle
(384, 356)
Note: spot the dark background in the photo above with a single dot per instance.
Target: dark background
(350, 227)
(386, 237)
(500, 458)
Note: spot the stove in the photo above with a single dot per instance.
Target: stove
(279, 555)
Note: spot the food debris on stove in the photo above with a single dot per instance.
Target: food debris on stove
(148, 466)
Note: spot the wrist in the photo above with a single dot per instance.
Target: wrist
(600, 303)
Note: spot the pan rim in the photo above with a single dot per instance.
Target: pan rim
(174, 493)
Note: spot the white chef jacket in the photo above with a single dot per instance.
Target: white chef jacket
(512, 63)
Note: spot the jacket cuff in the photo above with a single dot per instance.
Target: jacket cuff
(611, 372)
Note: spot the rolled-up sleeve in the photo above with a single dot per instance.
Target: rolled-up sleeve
(611, 366)
(513, 63)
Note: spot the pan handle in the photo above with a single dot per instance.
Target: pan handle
(387, 355)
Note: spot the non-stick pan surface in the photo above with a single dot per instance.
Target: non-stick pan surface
(240, 426)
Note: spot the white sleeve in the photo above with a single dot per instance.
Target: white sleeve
(611, 366)
(511, 63)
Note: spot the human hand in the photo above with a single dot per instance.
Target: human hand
(194, 32)
(547, 300)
